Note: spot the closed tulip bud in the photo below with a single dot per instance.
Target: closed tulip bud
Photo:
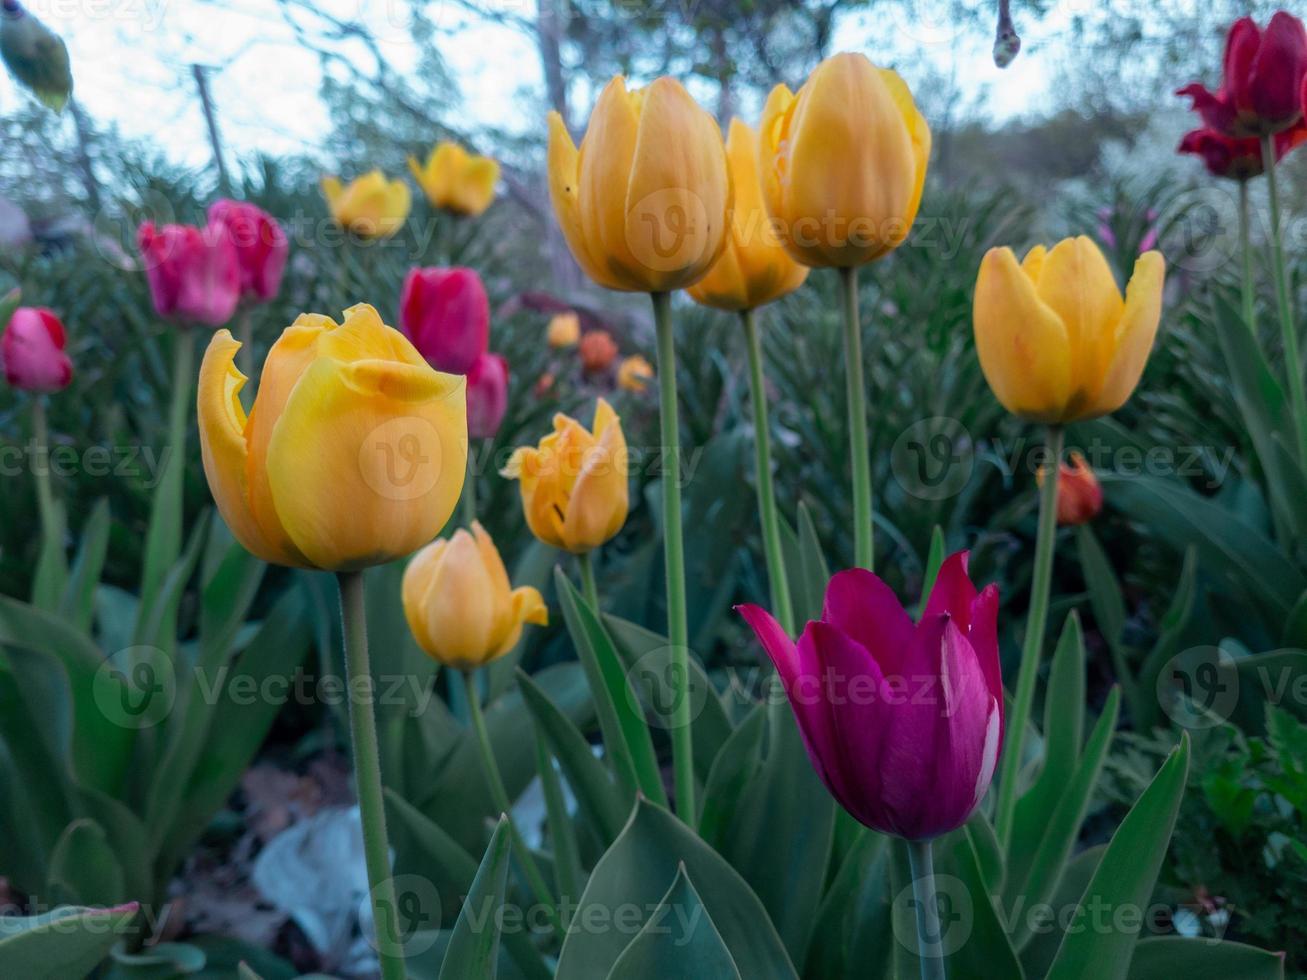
(544, 384)
(446, 314)
(35, 55)
(598, 350)
(460, 605)
(353, 453)
(194, 273)
(487, 395)
(635, 373)
(843, 162)
(1056, 341)
(564, 330)
(1079, 494)
(455, 180)
(1239, 159)
(574, 492)
(645, 202)
(369, 206)
(32, 351)
(902, 721)
(753, 269)
(1263, 72)
(261, 246)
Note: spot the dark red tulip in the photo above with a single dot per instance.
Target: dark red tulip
(446, 314)
(32, 351)
(902, 720)
(1261, 86)
(261, 246)
(1239, 159)
(194, 274)
(487, 395)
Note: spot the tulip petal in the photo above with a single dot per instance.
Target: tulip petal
(418, 577)
(1134, 334)
(983, 637)
(863, 607)
(223, 428)
(604, 165)
(367, 460)
(460, 604)
(952, 593)
(527, 606)
(774, 150)
(1022, 344)
(918, 135)
(599, 499)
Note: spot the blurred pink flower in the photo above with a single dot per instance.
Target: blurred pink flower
(261, 246)
(487, 395)
(446, 314)
(32, 351)
(194, 273)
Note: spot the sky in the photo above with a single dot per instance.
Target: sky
(131, 64)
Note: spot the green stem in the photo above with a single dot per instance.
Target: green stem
(245, 334)
(1292, 359)
(588, 586)
(771, 531)
(864, 554)
(674, 557)
(499, 796)
(41, 466)
(183, 385)
(1040, 583)
(929, 939)
(1246, 245)
(367, 774)
(469, 499)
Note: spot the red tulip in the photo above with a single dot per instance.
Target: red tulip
(487, 395)
(1079, 494)
(598, 350)
(194, 274)
(902, 720)
(1239, 159)
(446, 314)
(32, 351)
(261, 246)
(1262, 80)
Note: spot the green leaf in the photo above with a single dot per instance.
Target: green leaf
(678, 940)
(78, 600)
(805, 564)
(473, 952)
(637, 872)
(1125, 877)
(987, 950)
(568, 874)
(1109, 610)
(934, 560)
(65, 943)
(162, 961)
(854, 913)
(1164, 957)
(989, 852)
(1038, 954)
(731, 772)
(84, 869)
(156, 616)
(1171, 632)
(51, 575)
(1295, 626)
(626, 734)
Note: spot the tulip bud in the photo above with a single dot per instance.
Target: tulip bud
(35, 55)
(635, 373)
(487, 395)
(1079, 494)
(353, 454)
(1239, 159)
(574, 492)
(194, 273)
(32, 351)
(564, 330)
(261, 246)
(544, 384)
(369, 206)
(459, 603)
(455, 180)
(446, 314)
(597, 351)
(1056, 341)
(902, 721)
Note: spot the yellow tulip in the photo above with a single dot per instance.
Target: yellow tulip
(459, 604)
(369, 206)
(1056, 341)
(353, 454)
(455, 180)
(574, 492)
(753, 269)
(564, 330)
(645, 202)
(843, 162)
(634, 373)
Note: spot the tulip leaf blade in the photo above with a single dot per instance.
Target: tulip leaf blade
(934, 560)
(65, 942)
(731, 772)
(50, 578)
(78, 601)
(1108, 603)
(568, 873)
(473, 951)
(1203, 959)
(987, 950)
(1170, 636)
(678, 940)
(621, 718)
(1125, 876)
(83, 868)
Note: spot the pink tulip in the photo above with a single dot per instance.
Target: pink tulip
(194, 273)
(32, 351)
(487, 395)
(902, 720)
(261, 246)
(446, 314)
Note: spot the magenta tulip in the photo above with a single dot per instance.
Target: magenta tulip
(446, 314)
(261, 246)
(32, 351)
(194, 274)
(487, 395)
(902, 721)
